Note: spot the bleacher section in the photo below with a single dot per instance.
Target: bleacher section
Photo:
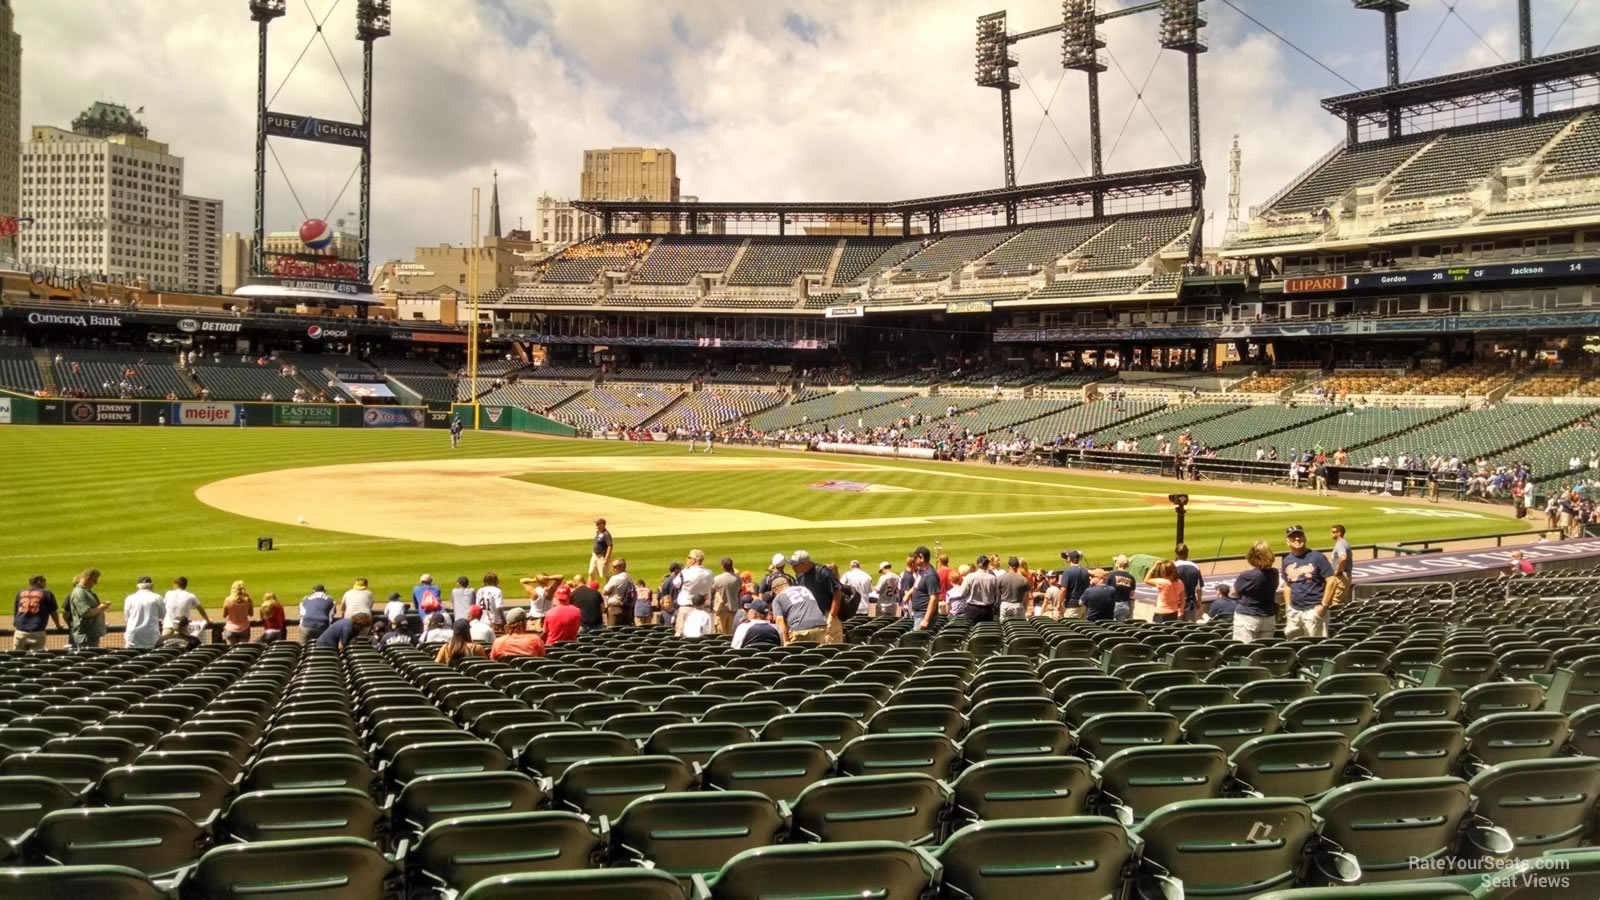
(780, 260)
(676, 259)
(951, 252)
(535, 395)
(245, 382)
(998, 416)
(1348, 430)
(1256, 424)
(1466, 155)
(1132, 240)
(1086, 418)
(707, 408)
(401, 365)
(582, 263)
(1577, 155)
(676, 376)
(811, 413)
(18, 371)
(1362, 164)
(1038, 246)
(930, 408)
(98, 373)
(433, 390)
(1481, 432)
(564, 373)
(890, 256)
(1169, 423)
(1550, 456)
(602, 407)
(1090, 287)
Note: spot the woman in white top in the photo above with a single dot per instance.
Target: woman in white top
(492, 600)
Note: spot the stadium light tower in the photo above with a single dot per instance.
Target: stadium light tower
(372, 23)
(1081, 43)
(992, 68)
(1391, 10)
(1180, 31)
(262, 12)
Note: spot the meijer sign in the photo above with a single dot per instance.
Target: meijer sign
(206, 414)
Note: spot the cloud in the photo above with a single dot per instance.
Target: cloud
(790, 100)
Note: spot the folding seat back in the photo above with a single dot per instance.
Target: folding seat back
(579, 884)
(852, 700)
(909, 808)
(549, 754)
(278, 815)
(1230, 725)
(1524, 664)
(886, 754)
(778, 769)
(1194, 657)
(929, 696)
(1419, 705)
(314, 869)
(590, 715)
(1503, 737)
(1348, 714)
(1181, 700)
(1234, 676)
(1574, 685)
(1236, 848)
(1501, 696)
(1279, 660)
(691, 704)
(1023, 787)
(1369, 684)
(229, 743)
(1461, 670)
(1134, 782)
(1108, 733)
(1013, 739)
(1304, 765)
(155, 840)
(1078, 856)
(879, 869)
(1543, 804)
(829, 730)
(455, 853)
(445, 758)
(434, 798)
(1006, 687)
(1075, 685)
(1410, 749)
(1279, 692)
(918, 719)
(602, 787)
(695, 833)
(76, 882)
(1389, 825)
(25, 799)
(1013, 709)
(307, 772)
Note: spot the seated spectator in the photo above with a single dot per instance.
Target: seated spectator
(345, 631)
(757, 630)
(697, 620)
(562, 621)
(404, 630)
(438, 632)
(1223, 606)
(1099, 599)
(461, 644)
(273, 626)
(481, 630)
(517, 641)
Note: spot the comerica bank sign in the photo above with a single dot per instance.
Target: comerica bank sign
(311, 128)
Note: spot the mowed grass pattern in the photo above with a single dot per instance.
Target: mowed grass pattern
(122, 500)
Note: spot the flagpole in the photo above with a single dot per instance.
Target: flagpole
(472, 310)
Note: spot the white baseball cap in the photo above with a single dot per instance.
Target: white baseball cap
(779, 559)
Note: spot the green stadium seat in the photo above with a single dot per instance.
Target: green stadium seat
(1542, 804)
(695, 833)
(434, 798)
(1304, 765)
(778, 769)
(909, 808)
(316, 869)
(1025, 787)
(886, 754)
(155, 840)
(603, 787)
(1388, 825)
(598, 884)
(277, 815)
(1235, 848)
(1135, 781)
(78, 882)
(879, 869)
(1014, 859)
(456, 853)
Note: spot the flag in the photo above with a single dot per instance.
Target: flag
(138, 111)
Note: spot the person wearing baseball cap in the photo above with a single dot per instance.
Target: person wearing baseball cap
(478, 628)
(757, 629)
(1305, 582)
(561, 623)
(1074, 581)
(924, 596)
(824, 586)
(886, 596)
(1013, 590)
(517, 641)
(858, 582)
(142, 611)
(600, 552)
(981, 592)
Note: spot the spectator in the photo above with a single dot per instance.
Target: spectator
(86, 615)
(1304, 576)
(479, 627)
(396, 608)
(425, 597)
(946, 576)
(1014, 589)
(591, 606)
(142, 612)
(757, 630)
(1254, 616)
(345, 631)
(316, 614)
(462, 643)
(461, 598)
(955, 598)
(725, 588)
(177, 605)
(697, 581)
(888, 591)
(35, 608)
(799, 617)
(600, 555)
(1193, 582)
(667, 594)
(356, 600)
(562, 621)
(492, 599)
(643, 603)
(1163, 576)
(1121, 580)
(619, 594)
(517, 640)
(697, 620)
(1099, 599)
(1338, 589)
(1074, 581)
(1223, 606)
(438, 632)
(1519, 567)
(924, 590)
(273, 620)
(773, 570)
(236, 613)
(825, 587)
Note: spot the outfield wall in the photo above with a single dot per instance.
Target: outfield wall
(21, 410)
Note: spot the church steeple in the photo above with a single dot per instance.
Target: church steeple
(494, 206)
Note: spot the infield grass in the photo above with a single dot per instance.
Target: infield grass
(122, 500)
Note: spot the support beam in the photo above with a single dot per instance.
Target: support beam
(1194, 109)
(366, 158)
(1525, 48)
(257, 261)
(1391, 49)
(1007, 138)
(1095, 162)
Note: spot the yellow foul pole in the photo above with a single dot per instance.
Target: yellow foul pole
(472, 310)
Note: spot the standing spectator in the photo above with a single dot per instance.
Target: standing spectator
(462, 644)
(946, 575)
(356, 600)
(1257, 588)
(396, 608)
(888, 591)
(697, 620)
(236, 613)
(1338, 589)
(756, 631)
(774, 569)
(492, 600)
(643, 604)
(35, 608)
(1121, 580)
(274, 625)
(178, 603)
(1014, 589)
(924, 593)
(827, 590)
(478, 627)
(1099, 599)
(316, 614)
(1074, 581)
(440, 633)
(981, 592)
(667, 594)
(1163, 576)
(697, 581)
(562, 621)
(725, 590)
(517, 641)
(425, 597)
(591, 606)
(86, 615)
(142, 612)
(1193, 582)
(798, 614)
(600, 555)
(461, 597)
(345, 631)
(619, 594)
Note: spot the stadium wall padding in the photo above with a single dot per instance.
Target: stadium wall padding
(214, 413)
(511, 418)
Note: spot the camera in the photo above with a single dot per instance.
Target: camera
(1178, 499)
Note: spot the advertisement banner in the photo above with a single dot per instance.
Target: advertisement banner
(311, 128)
(5, 410)
(205, 414)
(308, 415)
(493, 417)
(877, 450)
(394, 417)
(89, 412)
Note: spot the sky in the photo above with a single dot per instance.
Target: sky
(802, 100)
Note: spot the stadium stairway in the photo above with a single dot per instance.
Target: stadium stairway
(833, 262)
(41, 359)
(738, 256)
(189, 381)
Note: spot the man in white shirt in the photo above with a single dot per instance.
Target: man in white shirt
(854, 577)
(143, 611)
(179, 604)
(698, 581)
(696, 620)
(356, 600)
(618, 594)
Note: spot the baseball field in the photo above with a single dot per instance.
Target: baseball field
(391, 505)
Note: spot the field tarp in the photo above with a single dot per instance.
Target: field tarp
(878, 450)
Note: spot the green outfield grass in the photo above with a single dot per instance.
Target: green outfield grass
(122, 500)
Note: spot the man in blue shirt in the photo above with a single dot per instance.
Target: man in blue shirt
(924, 591)
(1305, 576)
(345, 632)
(1121, 580)
(1074, 581)
(1099, 599)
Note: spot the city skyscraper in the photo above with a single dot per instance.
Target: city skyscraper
(631, 173)
(10, 111)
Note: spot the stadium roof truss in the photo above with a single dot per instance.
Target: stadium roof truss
(927, 211)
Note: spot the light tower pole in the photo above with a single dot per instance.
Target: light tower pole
(262, 12)
(372, 23)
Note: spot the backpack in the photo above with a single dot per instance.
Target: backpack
(849, 601)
